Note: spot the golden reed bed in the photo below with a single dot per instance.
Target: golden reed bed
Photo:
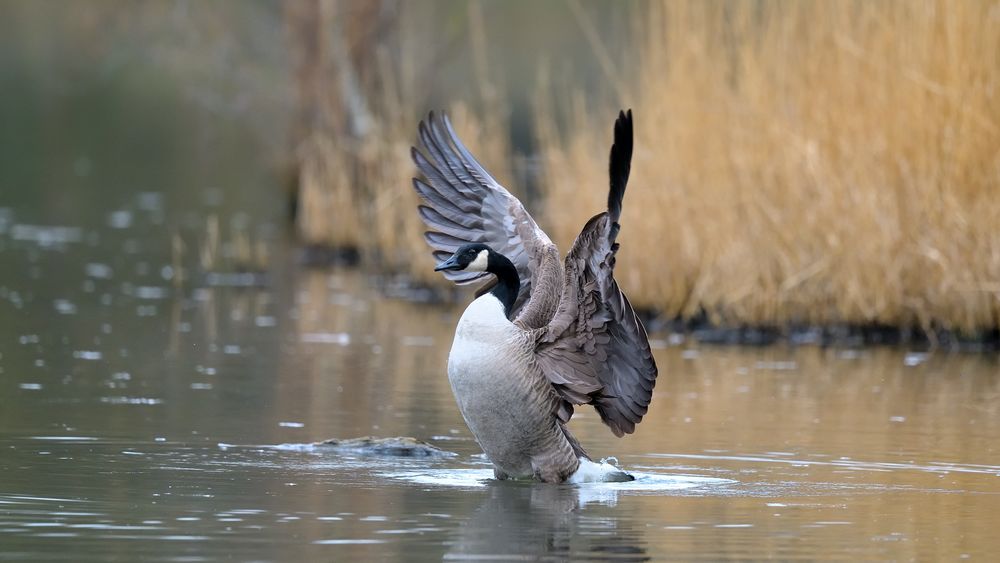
(796, 162)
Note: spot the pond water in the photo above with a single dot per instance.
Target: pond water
(145, 418)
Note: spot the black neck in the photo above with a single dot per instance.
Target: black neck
(508, 283)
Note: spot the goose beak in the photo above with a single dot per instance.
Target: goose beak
(449, 264)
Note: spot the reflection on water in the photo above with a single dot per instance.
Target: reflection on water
(517, 521)
(117, 387)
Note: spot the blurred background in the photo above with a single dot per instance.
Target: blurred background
(812, 163)
(208, 236)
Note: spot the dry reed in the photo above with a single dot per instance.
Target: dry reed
(355, 182)
(807, 162)
(800, 162)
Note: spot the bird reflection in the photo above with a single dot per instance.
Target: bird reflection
(521, 520)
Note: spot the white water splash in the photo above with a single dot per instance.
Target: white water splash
(589, 491)
(599, 472)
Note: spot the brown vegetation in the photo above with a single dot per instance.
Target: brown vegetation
(807, 162)
(816, 162)
(355, 170)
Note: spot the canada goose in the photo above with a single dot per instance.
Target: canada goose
(542, 338)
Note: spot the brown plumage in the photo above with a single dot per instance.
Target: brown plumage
(574, 338)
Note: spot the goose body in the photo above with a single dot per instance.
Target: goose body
(546, 335)
(505, 402)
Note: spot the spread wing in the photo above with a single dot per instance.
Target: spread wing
(595, 350)
(463, 204)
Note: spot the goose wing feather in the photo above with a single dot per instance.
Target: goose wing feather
(595, 350)
(463, 203)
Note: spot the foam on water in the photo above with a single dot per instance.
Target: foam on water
(643, 482)
(598, 472)
(461, 478)
(310, 447)
(843, 462)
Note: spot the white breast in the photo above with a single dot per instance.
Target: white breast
(483, 321)
(487, 371)
(484, 338)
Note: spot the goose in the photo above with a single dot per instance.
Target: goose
(543, 336)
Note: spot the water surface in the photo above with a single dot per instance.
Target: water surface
(144, 418)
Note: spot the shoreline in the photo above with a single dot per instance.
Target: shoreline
(700, 329)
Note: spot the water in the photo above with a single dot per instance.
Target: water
(144, 419)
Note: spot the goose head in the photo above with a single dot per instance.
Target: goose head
(478, 257)
(475, 257)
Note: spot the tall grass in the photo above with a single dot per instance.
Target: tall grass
(796, 162)
(814, 162)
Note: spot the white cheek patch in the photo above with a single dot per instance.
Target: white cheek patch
(480, 263)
